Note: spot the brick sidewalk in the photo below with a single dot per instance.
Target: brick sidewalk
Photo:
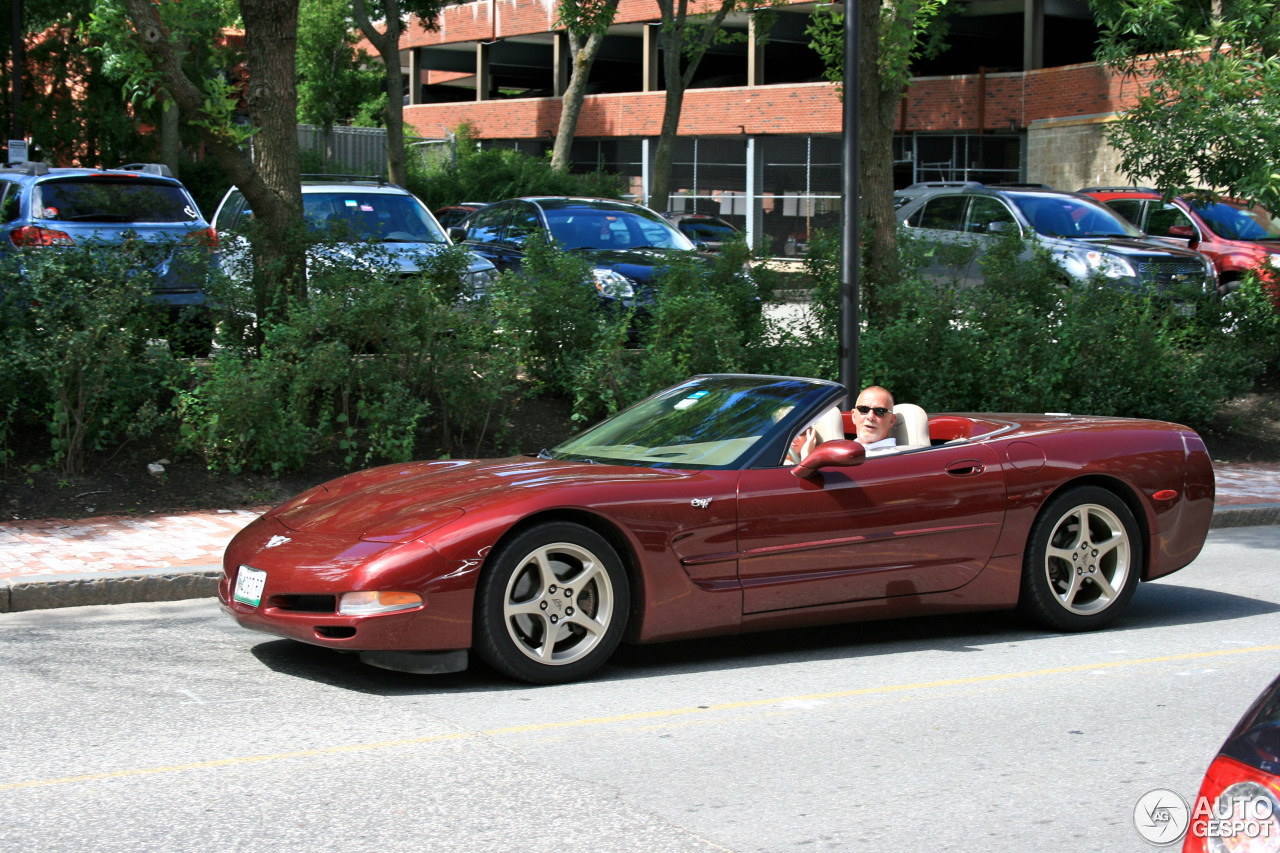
(118, 543)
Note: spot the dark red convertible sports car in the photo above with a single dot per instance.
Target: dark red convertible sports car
(680, 517)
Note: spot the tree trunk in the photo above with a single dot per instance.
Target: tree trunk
(170, 144)
(878, 105)
(388, 44)
(584, 56)
(675, 51)
(272, 186)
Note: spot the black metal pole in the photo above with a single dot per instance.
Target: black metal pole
(850, 255)
(16, 57)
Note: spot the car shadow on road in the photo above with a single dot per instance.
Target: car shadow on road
(1155, 605)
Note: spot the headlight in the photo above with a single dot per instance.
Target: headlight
(612, 284)
(1108, 265)
(372, 603)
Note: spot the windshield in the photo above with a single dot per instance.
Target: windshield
(1235, 222)
(613, 228)
(111, 200)
(384, 217)
(1065, 216)
(706, 230)
(707, 422)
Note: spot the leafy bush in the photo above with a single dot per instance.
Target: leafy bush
(1027, 340)
(77, 324)
(494, 174)
(360, 366)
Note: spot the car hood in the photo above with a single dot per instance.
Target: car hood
(1129, 246)
(638, 264)
(404, 502)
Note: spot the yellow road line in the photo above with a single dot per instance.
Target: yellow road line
(632, 717)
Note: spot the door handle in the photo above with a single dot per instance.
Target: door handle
(965, 468)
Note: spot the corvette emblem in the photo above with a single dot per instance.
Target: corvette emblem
(277, 540)
(700, 503)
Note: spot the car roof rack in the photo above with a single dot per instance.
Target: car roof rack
(929, 185)
(28, 167)
(338, 179)
(149, 169)
(1128, 189)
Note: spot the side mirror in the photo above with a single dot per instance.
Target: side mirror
(830, 454)
(1186, 232)
(457, 234)
(999, 227)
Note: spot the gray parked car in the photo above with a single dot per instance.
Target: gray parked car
(1084, 237)
(362, 212)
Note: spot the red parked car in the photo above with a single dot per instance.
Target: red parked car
(1238, 808)
(1239, 237)
(679, 517)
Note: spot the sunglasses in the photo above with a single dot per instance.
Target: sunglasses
(880, 411)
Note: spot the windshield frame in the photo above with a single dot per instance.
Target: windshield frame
(634, 220)
(1210, 212)
(355, 200)
(1076, 203)
(726, 421)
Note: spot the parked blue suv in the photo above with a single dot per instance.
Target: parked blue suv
(41, 206)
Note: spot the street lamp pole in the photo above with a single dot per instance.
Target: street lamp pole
(850, 254)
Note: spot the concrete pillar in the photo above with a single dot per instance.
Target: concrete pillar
(483, 81)
(652, 41)
(1032, 35)
(562, 60)
(755, 54)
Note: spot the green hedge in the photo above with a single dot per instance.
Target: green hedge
(379, 367)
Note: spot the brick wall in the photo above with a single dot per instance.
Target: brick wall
(803, 108)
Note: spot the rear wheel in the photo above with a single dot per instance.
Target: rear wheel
(1082, 561)
(552, 604)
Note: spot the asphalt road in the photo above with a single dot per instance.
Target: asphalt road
(164, 727)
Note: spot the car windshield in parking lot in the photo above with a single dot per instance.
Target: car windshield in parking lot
(609, 227)
(1060, 215)
(392, 218)
(111, 200)
(1236, 222)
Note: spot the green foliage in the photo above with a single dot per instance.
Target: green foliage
(1207, 117)
(336, 83)
(909, 30)
(494, 174)
(1025, 341)
(195, 28)
(705, 319)
(77, 323)
(363, 366)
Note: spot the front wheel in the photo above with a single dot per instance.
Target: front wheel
(552, 605)
(1082, 562)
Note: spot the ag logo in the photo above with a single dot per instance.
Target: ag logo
(1161, 816)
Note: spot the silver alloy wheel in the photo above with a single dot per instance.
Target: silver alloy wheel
(1088, 559)
(558, 603)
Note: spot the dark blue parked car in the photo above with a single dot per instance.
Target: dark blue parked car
(41, 207)
(626, 244)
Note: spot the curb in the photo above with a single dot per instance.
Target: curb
(43, 592)
(1245, 515)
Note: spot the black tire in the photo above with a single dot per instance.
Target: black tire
(559, 581)
(1083, 561)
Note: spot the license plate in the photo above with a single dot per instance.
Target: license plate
(249, 584)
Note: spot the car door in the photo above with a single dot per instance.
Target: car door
(987, 221)
(939, 223)
(484, 236)
(906, 523)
